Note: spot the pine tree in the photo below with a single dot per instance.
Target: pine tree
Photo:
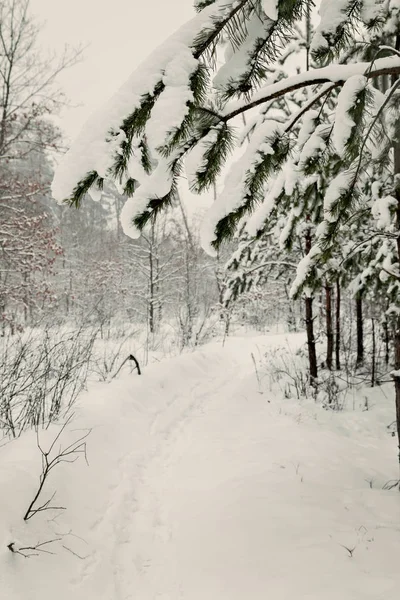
(183, 106)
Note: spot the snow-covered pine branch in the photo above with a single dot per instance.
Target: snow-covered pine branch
(244, 183)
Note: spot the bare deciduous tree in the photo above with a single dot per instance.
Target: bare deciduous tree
(28, 95)
(28, 89)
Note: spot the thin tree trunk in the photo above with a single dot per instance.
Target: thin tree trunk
(189, 304)
(329, 327)
(151, 309)
(312, 354)
(26, 298)
(70, 297)
(157, 287)
(151, 284)
(321, 311)
(291, 315)
(338, 332)
(385, 326)
(227, 325)
(186, 224)
(396, 375)
(308, 36)
(360, 329)
(373, 366)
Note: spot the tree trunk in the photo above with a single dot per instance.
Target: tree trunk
(397, 333)
(312, 354)
(329, 327)
(70, 297)
(396, 375)
(385, 326)
(151, 287)
(338, 332)
(308, 35)
(291, 315)
(157, 286)
(360, 329)
(26, 298)
(373, 366)
(189, 307)
(151, 309)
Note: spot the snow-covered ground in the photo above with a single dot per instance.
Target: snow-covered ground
(203, 486)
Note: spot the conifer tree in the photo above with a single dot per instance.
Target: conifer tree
(183, 107)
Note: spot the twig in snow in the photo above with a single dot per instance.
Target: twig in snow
(349, 550)
(28, 551)
(132, 358)
(68, 454)
(257, 374)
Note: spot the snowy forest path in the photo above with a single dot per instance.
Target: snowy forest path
(156, 570)
(203, 484)
(134, 434)
(241, 497)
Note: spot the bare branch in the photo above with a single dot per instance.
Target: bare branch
(29, 551)
(68, 454)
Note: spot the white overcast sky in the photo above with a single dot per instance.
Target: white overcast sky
(119, 34)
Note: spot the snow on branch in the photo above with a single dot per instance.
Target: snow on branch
(338, 187)
(163, 76)
(157, 185)
(270, 7)
(244, 182)
(335, 73)
(382, 209)
(169, 111)
(344, 122)
(236, 66)
(314, 146)
(304, 268)
(260, 215)
(335, 18)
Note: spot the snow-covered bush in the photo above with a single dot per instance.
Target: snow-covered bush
(41, 374)
(288, 369)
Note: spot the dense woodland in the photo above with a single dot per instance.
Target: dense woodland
(60, 265)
